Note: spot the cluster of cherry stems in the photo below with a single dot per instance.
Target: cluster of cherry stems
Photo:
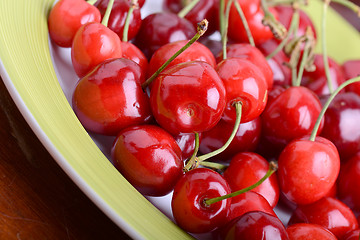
(278, 121)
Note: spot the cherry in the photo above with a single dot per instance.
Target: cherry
(329, 213)
(111, 98)
(149, 158)
(245, 83)
(251, 53)
(316, 80)
(130, 51)
(342, 124)
(118, 15)
(292, 114)
(188, 97)
(303, 179)
(67, 16)
(161, 28)
(186, 142)
(196, 52)
(246, 138)
(308, 231)
(349, 183)
(353, 235)
(246, 169)
(352, 69)
(254, 225)
(190, 211)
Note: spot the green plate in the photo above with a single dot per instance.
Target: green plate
(28, 72)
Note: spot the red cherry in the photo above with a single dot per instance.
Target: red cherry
(243, 82)
(190, 211)
(110, 98)
(329, 213)
(349, 183)
(342, 124)
(161, 28)
(93, 44)
(188, 97)
(352, 69)
(254, 225)
(196, 52)
(246, 138)
(247, 168)
(67, 16)
(353, 235)
(118, 16)
(252, 54)
(130, 51)
(308, 231)
(292, 114)
(186, 142)
(303, 179)
(149, 158)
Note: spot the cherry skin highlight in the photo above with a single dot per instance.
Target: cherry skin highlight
(308, 231)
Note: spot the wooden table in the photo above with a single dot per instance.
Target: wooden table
(37, 199)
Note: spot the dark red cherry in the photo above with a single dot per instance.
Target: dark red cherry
(316, 80)
(149, 158)
(130, 51)
(118, 16)
(188, 97)
(303, 179)
(253, 225)
(246, 169)
(349, 183)
(352, 69)
(329, 213)
(186, 142)
(196, 52)
(159, 29)
(309, 231)
(243, 82)
(342, 124)
(93, 44)
(110, 98)
(190, 211)
(353, 235)
(67, 16)
(245, 140)
(292, 114)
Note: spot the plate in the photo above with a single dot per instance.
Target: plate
(40, 83)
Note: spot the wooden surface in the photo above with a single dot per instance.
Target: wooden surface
(37, 199)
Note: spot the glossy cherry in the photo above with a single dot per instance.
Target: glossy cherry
(186, 142)
(303, 179)
(118, 15)
(67, 16)
(342, 124)
(190, 211)
(245, 140)
(254, 225)
(245, 83)
(93, 44)
(149, 158)
(247, 168)
(188, 97)
(353, 235)
(329, 213)
(196, 52)
(352, 69)
(349, 183)
(161, 28)
(309, 231)
(111, 98)
(130, 51)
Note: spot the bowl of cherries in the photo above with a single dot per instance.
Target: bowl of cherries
(234, 119)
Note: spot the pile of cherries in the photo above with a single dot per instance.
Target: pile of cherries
(232, 128)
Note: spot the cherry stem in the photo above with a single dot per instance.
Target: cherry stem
(245, 23)
(92, 2)
(324, 49)
(133, 5)
(303, 62)
(188, 8)
(238, 109)
(221, 16)
(213, 165)
(106, 17)
(355, 8)
(278, 30)
(327, 103)
(193, 159)
(225, 31)
(272, 168)
(201, 29)
(293, 25)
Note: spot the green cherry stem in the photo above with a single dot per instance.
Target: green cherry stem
(302, 63)
(91, 2)
(133, 5)
(201, 29)
(245, 23)
(225, 30)
(188, 8)
(327, 103)
(324, 49)
(106, 17)
(272, 168)
(213, 165)
(221, 16)
(193, 159)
